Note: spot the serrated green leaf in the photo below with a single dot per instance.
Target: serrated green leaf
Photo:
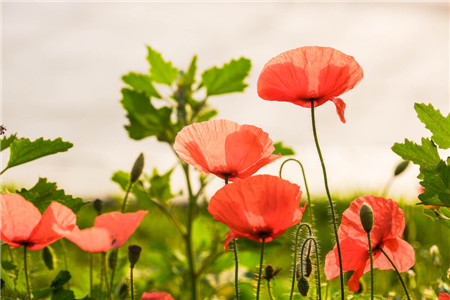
(61, 294)
(141, 83)
(206, 115)
(24, 150)
(444, 216)
(122, 178)
(189, 77)
(227, 79)
(160, 70)
(436, 181)
(145, 119)
(43, 193)
(282, 149)
(160, 185)
(422, 155)
(61, 279)
(436, 123)
(5, 142)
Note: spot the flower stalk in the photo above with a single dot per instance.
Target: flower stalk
(26, 271)
(312, 240)
(260, 265)
(398, 273)
(299, 227)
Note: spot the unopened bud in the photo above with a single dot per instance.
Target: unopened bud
(401, 167)
(303, 286)
(134, 251)
(47, 257)
(308, 266)
(366, 216)
(112, 259)
(123, 291)
(269, 271)
(98, 206)
(137, 168)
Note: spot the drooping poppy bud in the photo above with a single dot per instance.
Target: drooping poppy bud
(134, 251)
(401, 167)
(137, 168)
(98, 206)
(269, 271)
(303, 286)
(47, 257)
(366, 216)
(308, 266)
(112, 259)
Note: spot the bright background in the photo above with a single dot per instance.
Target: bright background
(62, 64)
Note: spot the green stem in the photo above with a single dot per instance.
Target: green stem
(333, 215)
(398, 273)
(371, 265)
(131, 283)
(124, 203)
(91, 274)
(66, 263)
(387, 186)
(295, 255)
(260, 265)
(106, 275)
(317, 263)
(26, 271)
(269, 290)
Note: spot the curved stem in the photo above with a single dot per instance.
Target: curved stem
(131, 283)
(398, 273)
(333, 215)
(124, 203)
(317, 263)
(260, 265)
(371, 266)
(295, 255)
(387, 186)
(26, 271)
(269, 290)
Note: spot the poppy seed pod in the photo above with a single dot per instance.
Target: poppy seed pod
(134, 251)
(137, 168)
(303, 286)
(366, 216)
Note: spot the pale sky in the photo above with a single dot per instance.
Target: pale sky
(62, 63)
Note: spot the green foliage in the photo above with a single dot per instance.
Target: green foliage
(160, 185)
(5, 142)
(227, 79)
(122, 178)
(282, 149)
(141, 83)
(160, 70)
(425, 154)
(61, 279)
(23, 150)
(436, 181)
(436, 123)
(43, 193)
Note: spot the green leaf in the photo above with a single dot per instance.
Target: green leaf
(227, 79)
(5, 142)
(61, 294)
(189, 77)
(423, 155)
(61, 279)
(145, 119)
(160, 185)
(21, 283)
(206, 115)
(42, 293)
(122, 178)
(284, 150)
(141, 83)
(9, 283)
(24, 150)
(436, 123)
(160, 70)
(8, 265)
(436, 181)
(43, 193)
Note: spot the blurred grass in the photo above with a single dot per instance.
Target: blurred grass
(162, 264)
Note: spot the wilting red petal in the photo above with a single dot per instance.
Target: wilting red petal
(258, 206)
(225, 148)
(120, 226)
(340, 108)
(18, 219)
(91, 239)
(156, 296)
(309, 73)
(58, 215)
(444, 296)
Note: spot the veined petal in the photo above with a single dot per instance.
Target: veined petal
(91, 239)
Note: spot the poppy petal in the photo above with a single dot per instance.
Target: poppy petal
(230, 236)
(120, 226)
(18, 219)
(58, 215)
(340, 108)
(91, 239)
(399, 251)
(156, 296)
(353, 282)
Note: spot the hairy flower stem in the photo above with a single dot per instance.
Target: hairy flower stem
(371, 265)
(131, 283)
(26, 271)
(396, 270)
(311, 239)
(260, 265)
(333, 215)
(91, 274)
(269, 290)
(295, 255)
(236, 261)
(108, 289)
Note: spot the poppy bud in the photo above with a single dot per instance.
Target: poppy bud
(112, 259)
(269, 271)
(435, 255)
(137, 168)
(308, 266)
(303, 286)
(401, 167)
(134, 251)
(123, 291)
(366, 216)
(47, 257)
(97, 206)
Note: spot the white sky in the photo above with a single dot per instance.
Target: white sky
(62, 63)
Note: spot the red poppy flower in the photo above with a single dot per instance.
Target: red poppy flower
(444, 296)
(386, 233)
(258, 206)
(156, 296)
(310, 73)
(225, 148)
(22, 223)
(110, 231)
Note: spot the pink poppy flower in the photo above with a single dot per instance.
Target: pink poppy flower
(225, 148)
(156, 296)
(23, 225)
(386, 233)
(310, 73)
